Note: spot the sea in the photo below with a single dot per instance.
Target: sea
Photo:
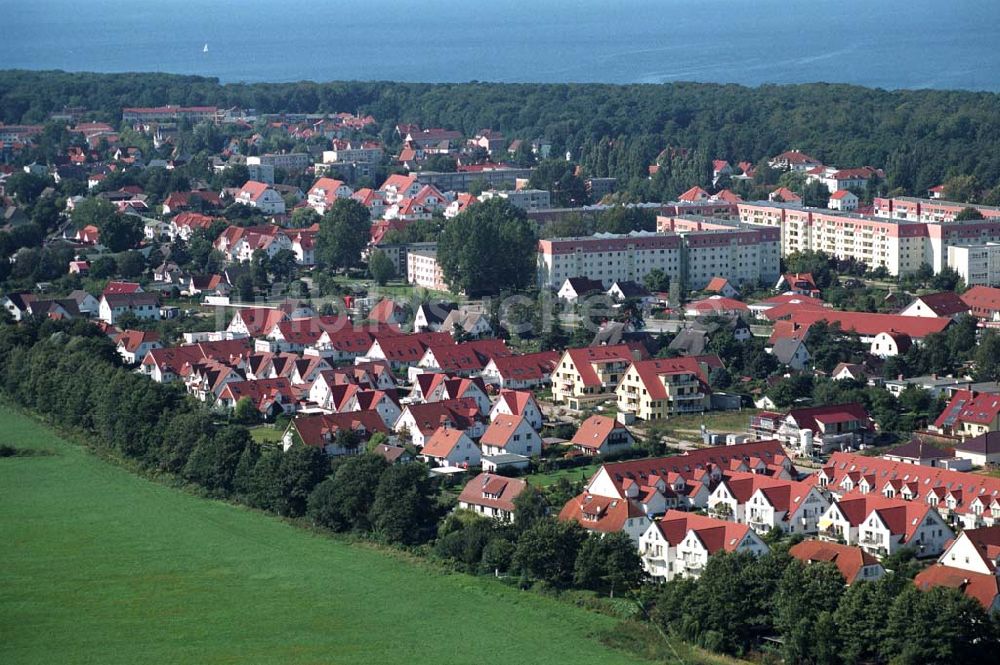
(879, 43)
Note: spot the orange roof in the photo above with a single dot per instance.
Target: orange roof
(849, 560)
(501, 429)
(715, 534)
(493, 491)
(442, 442)
(594, 432)
(650, 372)
(582, 359)
(983, 587)
(600, 513)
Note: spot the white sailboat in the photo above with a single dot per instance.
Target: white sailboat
(205, 50)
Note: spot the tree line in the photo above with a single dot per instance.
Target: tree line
(920, 137)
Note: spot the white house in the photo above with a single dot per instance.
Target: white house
(843, 200)
(145, 306)
(451, 447)
(518, 403)
(260, 195)
(511, 435)
(974, 550)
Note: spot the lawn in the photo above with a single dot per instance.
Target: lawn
(266, 434)
(578, 473)
(715, 421)
(101, 566)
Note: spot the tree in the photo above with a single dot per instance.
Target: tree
(624, 219)
(657, 281)
(530, 506)
(103, 266)
(547, 551)
(559, 177)
(962, 188)
(861, 617)
(488, 248)
(805, 592)
(283, 265)
(343, 233)
(213, 461)
(381, 267)
(131, 264)
(987, 357)
(245, 412)
(120, 232)
(403, 511)
(26, 187)
(343, 502)
(608, 563)
(968, 213)
(245, 287)
(302, 468)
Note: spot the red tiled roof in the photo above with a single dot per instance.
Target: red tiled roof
(313, 429)
(582, 359)
(442, 442)
(868, 324)
(971, 407)
(715, 534)
(650, 372)
(600, 513)
(528, 367)
(518, 400)
(945, 303)
(501, 429)
(595, 430)
(132, 339)
(849, 560)
(492, 491)
(982, 300)
(983, 587)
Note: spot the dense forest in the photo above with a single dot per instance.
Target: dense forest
(919, 137)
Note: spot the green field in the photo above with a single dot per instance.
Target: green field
(101, 566)
(578, 473)
(715, 421)
(266, 434)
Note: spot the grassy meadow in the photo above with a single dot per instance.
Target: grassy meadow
(101, 566)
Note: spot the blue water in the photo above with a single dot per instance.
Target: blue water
(883, 43)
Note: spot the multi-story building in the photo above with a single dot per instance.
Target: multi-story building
(976, 264)
(422, 269)
(167, 113)
(927, 210)
(591, 374)
(660, 388)
(526, 199)
(289, 161)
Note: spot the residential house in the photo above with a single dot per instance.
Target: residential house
(450, 447)
(402, 351)
(981, 587)
(438, 386)
(659, 388)
(767, 502)
(470, 323)
(261, 196)
(270, 397)
(799, 283)
(492, 496)
(518, 403)
(890, 343)
(576, 287)
(817, 430)
(969, 414)
(854, 563)
(325, 192)
(590, 375)
(722, 286)
(678, 545)
(430, 316)
(946, 304)
(421, 421)
(255, 321)
(604, 515)
(133, 345)
(918, 451)
(791, 352)
(982, 450)
(983, 302)
(392, 454)
(844, 200)
(321, 431)
(600, 435)
(464, 359)
(145, 306)
(518, 372)
(975, 551)
(511, 435)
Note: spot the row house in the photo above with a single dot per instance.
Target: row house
(678, 545)
(983, 302)
(420, 421)
(271, 397)
(205, 379)
(767, 502)
(465, 358)
(967, 499)
(352, 343)
(321, 431)
(882, 526)
(403, 351)
(657, 389)
(592, 374)
(300, 333)
(439, 387)
(167, 364)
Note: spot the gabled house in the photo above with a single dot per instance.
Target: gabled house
(576, 287)
(767, 502)
(800, 283)
(975, 551)
(791, 352)
(982, 450)
(255, 321)
(591, 374)
(678, 545)
(600, 435)
(947, 304)
(463, 359)
(511, 435)
(145, 306)
(659, 388)
(882, 526)
(471, 323)
(420, 421)
(492, 496)
(983, 588)
(604, 515)
(518, 372)
(854, 563)
(817, 430)
(261, 196)
(450, 447)
(325, 192)
(722, 286)
(133, 345)
(430, 316)
(436, 387)
(270, 397)
(518, 403)
(320, 431)
(969, 414)
(405, 350)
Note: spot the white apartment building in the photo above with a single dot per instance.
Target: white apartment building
(976, 264)
(290, 161)
(526, 199)
(607, 258)
(422, 269)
